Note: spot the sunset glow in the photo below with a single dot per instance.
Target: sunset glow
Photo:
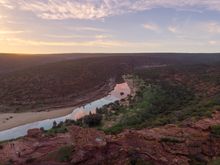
(64, 26)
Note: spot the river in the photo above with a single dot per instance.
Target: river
(114, 95)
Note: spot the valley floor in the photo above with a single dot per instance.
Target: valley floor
(11, 120)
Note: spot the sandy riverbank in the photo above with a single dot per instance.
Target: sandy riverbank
(10, 120)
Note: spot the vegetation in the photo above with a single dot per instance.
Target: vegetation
(9, 162)
(215, 162)
(153, 106)
(166, 95)
(92, 119)
(30, 160)
(63, 154)
(215, 130)
(61, 83)
(36, 83)
(138, 161)
(170, 140)
(1, 147)
(57, 128)
(197, 161)
(163, 100)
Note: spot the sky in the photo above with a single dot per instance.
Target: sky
(110, 26)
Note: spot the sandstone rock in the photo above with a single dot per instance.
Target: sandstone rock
(168, 145)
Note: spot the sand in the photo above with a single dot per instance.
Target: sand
(11, 120)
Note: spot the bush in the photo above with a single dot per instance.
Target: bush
(10, 162)
(64, 153)
(54, 124)
(138, 161)
(215, 162)
(170, 140)
(29, 160)
(60, 128)
(114, 130)
(70, 122)
(215, 130)
(1, 147)
(92, 120)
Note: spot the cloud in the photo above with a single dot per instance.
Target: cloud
(6, 4)
(65, 36)
(11, 32)
(99, 9)
(100, 36)
(197, 31)
(94, 43)
(2, 17)
(173, 29)
(151, 26)
(65, 9)
(212, 27)
(87, 28)
(212, 42)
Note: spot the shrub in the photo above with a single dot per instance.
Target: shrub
(70, 122)
(10, 162)
(1, 147)
(29, 160)
(215, 130)
(92, 119)
(215, 162)
(54, 124)
(136, 159)
(64, 153)
(114, 130)
(57, 129)
(170, 140)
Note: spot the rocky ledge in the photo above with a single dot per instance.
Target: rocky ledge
(168, 145)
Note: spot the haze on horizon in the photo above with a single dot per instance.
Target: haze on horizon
(124, 26)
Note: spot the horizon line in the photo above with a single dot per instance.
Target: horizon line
(93, 53)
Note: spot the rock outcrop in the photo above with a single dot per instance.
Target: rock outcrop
(34, 133)
(166, 145)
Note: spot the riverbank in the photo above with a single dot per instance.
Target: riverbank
(79, 112)
(11, 120)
